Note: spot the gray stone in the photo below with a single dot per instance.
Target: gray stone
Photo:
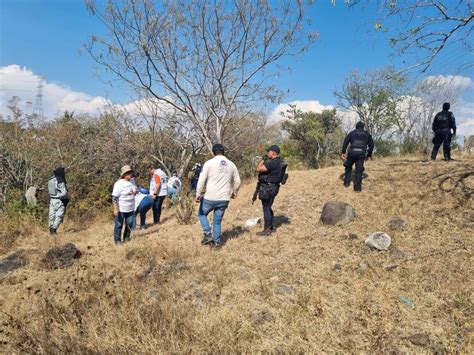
(12, 262)
(61, 256)
(337, 213)
(420, 339)
(283, 289)
(363, 266)
(155, 294)
(337, 267)
(30, 195)
(396, 223)
(145, 272)
(379, 240)
(259, 317)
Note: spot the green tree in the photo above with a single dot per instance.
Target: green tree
(317, 135)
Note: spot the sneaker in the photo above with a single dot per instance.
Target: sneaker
(217, 245)
(347, 185)
(207, 239)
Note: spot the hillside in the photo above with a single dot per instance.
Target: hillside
(306, 288)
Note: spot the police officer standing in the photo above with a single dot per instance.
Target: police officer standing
(360, 145)
(443, 123)
(271, 170)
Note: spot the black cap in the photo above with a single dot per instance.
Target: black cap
(360, 125)
(446, 106)
(274, 148)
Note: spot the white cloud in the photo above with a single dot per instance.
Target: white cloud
(22, 82)
(303, 105)
(458, 82)
(464, 113)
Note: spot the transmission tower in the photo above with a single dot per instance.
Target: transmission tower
(38, 106)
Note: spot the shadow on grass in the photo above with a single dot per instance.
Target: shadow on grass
(233, 233)
(281, 220)
(364, 176)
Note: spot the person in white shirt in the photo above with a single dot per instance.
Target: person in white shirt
(158, 190)
(174, 186)
(123, 201)
(221, 181)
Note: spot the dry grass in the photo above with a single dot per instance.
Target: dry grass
(165, 292)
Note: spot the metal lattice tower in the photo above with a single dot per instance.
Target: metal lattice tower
(38, 106)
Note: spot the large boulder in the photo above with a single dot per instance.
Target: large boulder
(336, 213)
(61, 256)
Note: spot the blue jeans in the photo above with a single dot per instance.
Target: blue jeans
(219, 208)
(142, 209)
(124, 218)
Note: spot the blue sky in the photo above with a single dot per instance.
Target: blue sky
(45, 37)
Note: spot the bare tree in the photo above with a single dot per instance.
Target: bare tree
(419, 108)
(374, 97)
(172, 141)
(209, 60)
(427, 28)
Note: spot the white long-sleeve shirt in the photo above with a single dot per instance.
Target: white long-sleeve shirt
(219, 179)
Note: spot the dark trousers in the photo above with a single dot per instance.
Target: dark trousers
(442, 136)
(357, 159)
(123, 218)
(157, 205)
(268, 215)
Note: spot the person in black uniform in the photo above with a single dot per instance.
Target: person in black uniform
(443, 123)
(269, 178)
(360, 145)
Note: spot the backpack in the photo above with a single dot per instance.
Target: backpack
(52, 182)
(283, 174)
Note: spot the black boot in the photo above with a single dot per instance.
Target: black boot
(52, 231)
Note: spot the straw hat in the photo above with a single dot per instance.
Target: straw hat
(125, 169)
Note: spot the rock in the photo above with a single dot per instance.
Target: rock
(31, 194)
(283, 289)
(252, 222)
(363, 266)
(12, 262)
(61, 256)
(155, 294)
(258, 317)
(421, 339)
(337, 267)
(396, 223)
(179, 265)
(378, 240)
(145, 272)
(336, 213)
(323, 233)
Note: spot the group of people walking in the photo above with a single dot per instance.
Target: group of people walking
(218, 181)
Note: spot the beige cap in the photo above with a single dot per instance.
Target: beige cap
(125, 169)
